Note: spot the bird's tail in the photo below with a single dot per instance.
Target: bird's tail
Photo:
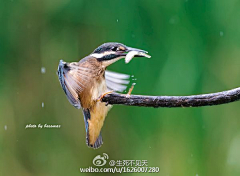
(98, 143)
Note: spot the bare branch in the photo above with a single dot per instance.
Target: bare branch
(174, 101)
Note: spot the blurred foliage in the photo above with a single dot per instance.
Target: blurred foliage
(195, 48)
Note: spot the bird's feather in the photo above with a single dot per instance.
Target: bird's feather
(116, 81)
(83, 84)
(66, 81)
(99, 141)
(73, 79)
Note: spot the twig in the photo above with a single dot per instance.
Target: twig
(174, 101)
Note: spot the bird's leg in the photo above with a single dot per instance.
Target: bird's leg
(104, 94)
(130, 90)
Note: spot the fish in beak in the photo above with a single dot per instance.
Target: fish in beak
(134, 52)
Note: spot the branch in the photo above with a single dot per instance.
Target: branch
(174, 101)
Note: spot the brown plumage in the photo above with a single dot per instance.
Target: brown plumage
(85, 81)
(95, 85)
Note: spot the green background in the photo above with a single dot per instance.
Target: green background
(195, 48)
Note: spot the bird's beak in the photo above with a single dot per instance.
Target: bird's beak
(129, 49)
(134, 52)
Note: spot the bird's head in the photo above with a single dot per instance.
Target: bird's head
(109, 53)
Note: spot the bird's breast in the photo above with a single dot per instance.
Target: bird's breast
(98, 110)
(92, 92)
(99, 88)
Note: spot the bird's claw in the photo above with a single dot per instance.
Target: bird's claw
(103, 95)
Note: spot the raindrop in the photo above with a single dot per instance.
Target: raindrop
(221, 33)
(43, 70)
(5, 127)
(42, 104)
(117, 20)
(132, 76)
(196, 174)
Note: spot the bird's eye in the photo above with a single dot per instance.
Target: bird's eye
(115, 48)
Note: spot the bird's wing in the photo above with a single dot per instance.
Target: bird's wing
(73, 79)
(116, 81)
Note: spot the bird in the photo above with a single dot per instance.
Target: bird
(87, 81)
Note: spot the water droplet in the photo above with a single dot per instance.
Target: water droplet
(221, 33)
(5, 127)
(42, 104)
(191, 155)
(132, 76)
(43, 70)
(117, 20)
(196, 174)
(134, 84)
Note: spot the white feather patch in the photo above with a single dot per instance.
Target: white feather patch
(96, 55)
(116, 81)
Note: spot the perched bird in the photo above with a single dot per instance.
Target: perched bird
(84, 82)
